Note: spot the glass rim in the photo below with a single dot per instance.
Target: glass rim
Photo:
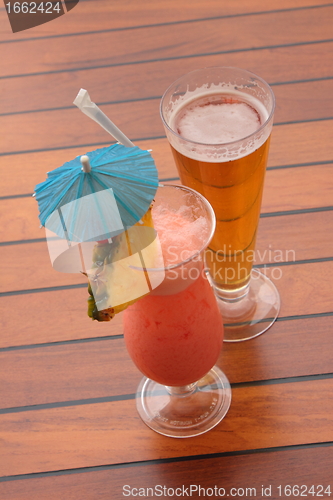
(218, 144)
(207, 240)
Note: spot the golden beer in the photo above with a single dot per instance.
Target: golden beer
(219, 136)
(218, 122)
(234, 189)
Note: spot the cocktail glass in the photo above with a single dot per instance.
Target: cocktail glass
(218, 122)
(174, 335)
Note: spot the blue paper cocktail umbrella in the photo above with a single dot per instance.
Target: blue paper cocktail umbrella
(99, 198)
(96, 196)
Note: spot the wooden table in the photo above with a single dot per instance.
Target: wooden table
(68, 423)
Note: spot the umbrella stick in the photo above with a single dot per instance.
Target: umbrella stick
(82, 259)
(64, 226)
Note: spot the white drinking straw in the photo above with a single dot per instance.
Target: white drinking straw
(89, 108)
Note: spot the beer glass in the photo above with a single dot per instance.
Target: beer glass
(218, 122)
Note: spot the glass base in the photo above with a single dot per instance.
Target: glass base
(253, 313)
(187, 411)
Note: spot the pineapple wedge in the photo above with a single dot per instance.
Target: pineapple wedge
(118, 277)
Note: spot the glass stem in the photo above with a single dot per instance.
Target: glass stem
(182, 391)
(232, 295)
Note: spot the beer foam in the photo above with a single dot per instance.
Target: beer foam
(217, 125)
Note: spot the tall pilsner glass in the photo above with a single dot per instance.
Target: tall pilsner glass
(218, 122)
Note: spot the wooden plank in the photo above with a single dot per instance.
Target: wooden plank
(291, 238)
(259, 470)
(285, 189)
(216, 35)
(141, 119)
(151, 79)
(19, 220)
(131, 14)
(50, 317)
(74, 372)
(28, 266)
(40, 163)
(294, 102)
(61, 315)
(296, 144)
(110, 433)
(297, 150)
(296, 285)
(297, 188)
